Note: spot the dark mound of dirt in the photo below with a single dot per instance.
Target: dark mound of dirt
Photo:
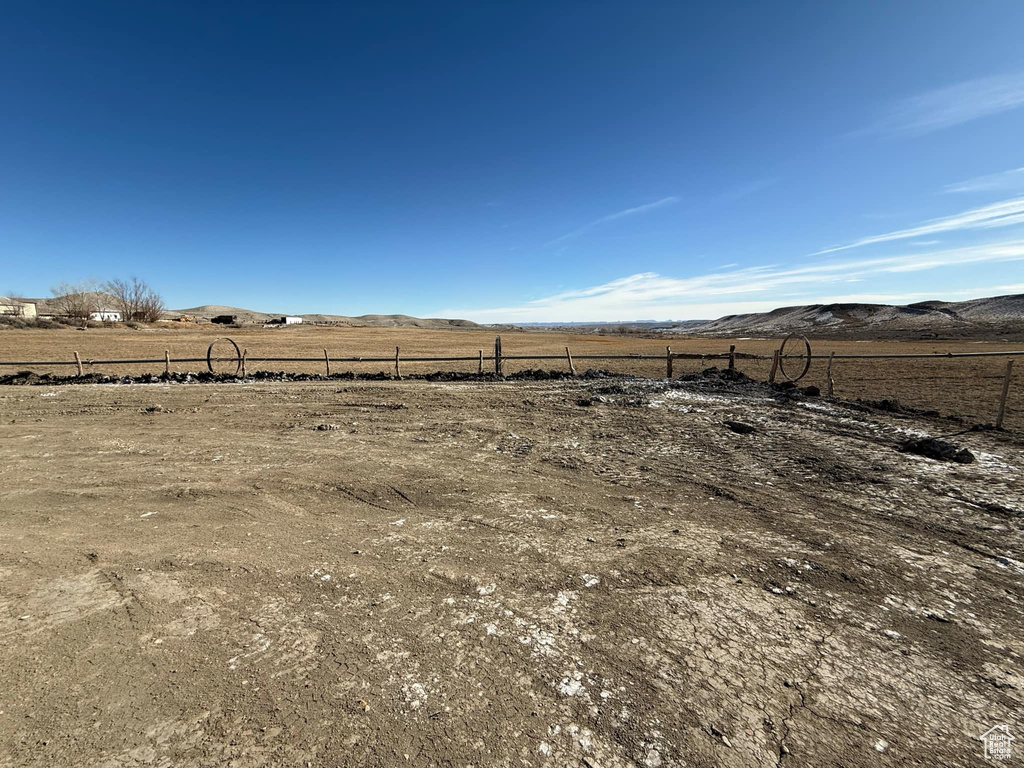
(534, 375)
(940, 450)
(790, 387)
(21, 377)
(740, 428)
(205, 377)
(726, 379)
(720, 374)
(891, 406)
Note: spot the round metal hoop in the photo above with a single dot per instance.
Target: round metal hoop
(237, 358)
(782, 354)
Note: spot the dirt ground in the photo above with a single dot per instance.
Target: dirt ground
(968, 387)
(594, 572)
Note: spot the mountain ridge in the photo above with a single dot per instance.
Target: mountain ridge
(985, 315)
(975, 318)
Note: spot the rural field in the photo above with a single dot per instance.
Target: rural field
(595, 572)
(638, 386)
(967, 387)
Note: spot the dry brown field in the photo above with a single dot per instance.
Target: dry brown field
(967, 387)
(596, 573)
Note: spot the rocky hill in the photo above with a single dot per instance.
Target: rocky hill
(998, 315)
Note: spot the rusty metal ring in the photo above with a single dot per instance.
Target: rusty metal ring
(210, 358)
(807, 363)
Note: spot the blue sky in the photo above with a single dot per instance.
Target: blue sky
(515, 162)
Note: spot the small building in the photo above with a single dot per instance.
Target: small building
(106, 315)
(17, 308)
(291, 320)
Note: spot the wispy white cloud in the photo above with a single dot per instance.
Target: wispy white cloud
(952, 105)
(1012, 179)
(613, 217)
(1002, 214)
(648, 295)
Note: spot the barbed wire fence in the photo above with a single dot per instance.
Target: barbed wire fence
(791, 362)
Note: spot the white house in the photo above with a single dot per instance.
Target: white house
(106, 315)
(291, 320)
(17, 308)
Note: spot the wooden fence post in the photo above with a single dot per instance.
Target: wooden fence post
(732, 357)
(497, 355)
(398, 370)
(830, 384)
(327, 363)
(668, 362)
(78, 362)
(244, 353)
(1002, 396)
(568, 356)
(480, 369)
(167, 363)
(775, 367)
(702, 362)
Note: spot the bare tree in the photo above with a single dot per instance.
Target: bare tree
(123, 294)
(135, 300)
(12, 306)
(75, 300)
(151, 306)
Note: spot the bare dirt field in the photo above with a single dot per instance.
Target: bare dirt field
(968, 387)
(592, 572)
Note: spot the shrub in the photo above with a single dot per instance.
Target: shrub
(13, 322)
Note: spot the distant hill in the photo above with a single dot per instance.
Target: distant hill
(997, 316)
(977, 317)
(208, 311)
(51, 305)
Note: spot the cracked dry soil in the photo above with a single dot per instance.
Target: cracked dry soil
(562, 573)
